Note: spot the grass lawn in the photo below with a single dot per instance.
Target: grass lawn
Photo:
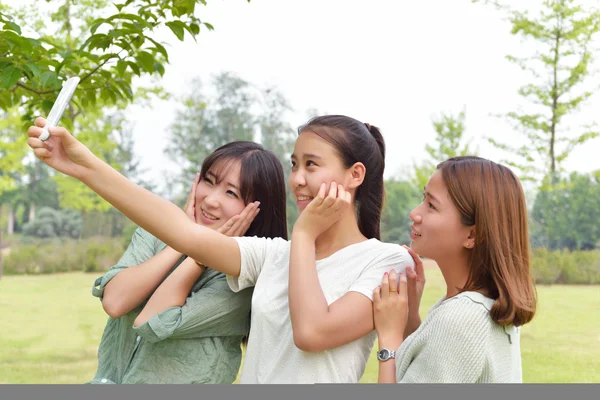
(50, 327)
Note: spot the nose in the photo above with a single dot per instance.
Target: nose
(212, 200)
(297, 179)
(415, 215)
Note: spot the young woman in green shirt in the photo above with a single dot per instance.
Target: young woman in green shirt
(173, 320)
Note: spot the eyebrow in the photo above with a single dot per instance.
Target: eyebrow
(430, 195)
(216, 178)
(308, 155)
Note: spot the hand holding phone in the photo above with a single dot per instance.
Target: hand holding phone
(59, 106)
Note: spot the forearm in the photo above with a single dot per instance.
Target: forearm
(164, 219)
(173, 292)
(387, 372)
(158, 216)
(387, 369)
(130, 287)
(308, 305)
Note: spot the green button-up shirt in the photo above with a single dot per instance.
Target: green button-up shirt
(196, 343)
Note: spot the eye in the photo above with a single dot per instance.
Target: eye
(293, 163)
(310, 163)
(431, 205)
(207, 180)
(233, 194)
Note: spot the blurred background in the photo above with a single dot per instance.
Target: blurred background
(165, 83)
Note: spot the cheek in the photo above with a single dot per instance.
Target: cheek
(232, 207)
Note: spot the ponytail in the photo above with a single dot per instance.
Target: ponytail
(358, 142)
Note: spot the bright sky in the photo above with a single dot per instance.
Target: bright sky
(391, 64)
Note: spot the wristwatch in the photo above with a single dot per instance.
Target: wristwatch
(385, 354)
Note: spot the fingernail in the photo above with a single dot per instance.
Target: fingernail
(386, 274)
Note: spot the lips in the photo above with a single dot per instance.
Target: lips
(303, 198)
(414, 232)
(208, 215)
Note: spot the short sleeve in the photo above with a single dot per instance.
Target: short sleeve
(140, 249)
(393, 257)
(255, 252)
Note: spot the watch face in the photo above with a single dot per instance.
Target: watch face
(384, 354)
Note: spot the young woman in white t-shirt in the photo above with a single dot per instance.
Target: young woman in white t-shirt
(312, 315)
(473, 223)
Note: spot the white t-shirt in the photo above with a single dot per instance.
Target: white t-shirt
(272, 356)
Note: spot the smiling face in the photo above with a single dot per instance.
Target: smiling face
(218, 196)
(437, 231)
(314, 162)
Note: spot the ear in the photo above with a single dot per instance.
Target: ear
(356, 175)
(470, 242)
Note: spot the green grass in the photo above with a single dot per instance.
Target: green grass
(50, 327)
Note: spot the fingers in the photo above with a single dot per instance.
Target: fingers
(227, 226)
(393, 282)
(385, 287)
(402, 286)
(41, 153)
(245, 221)
(418, 262)
(239, 224)
(34, 131)
(377, 295)
(40, 122)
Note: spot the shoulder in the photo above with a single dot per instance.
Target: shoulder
(255, 241)
(386, 253)
(466, 315)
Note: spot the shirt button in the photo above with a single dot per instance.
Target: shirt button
(104, 380)
(139, 338)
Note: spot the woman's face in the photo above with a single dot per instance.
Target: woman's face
(437, 231)
(314, 161)
(218, 196)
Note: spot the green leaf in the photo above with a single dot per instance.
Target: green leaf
(47, 106)
(10, 77)
(47, 79)
(12, 26)
(35, 70)
(178, 28)
(121, 67)
(134, 67)
(96, 25)
(209, 26)
(146, 60)
(160, 48)
(195, 28)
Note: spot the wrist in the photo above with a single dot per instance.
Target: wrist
(390, 342)
(300, 234)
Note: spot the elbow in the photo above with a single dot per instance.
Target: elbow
(308, 340)
(112, 308)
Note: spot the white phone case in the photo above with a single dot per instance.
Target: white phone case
(60, 105)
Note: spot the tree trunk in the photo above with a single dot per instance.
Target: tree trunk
(1, 269)
(32, 212)
(10, 228)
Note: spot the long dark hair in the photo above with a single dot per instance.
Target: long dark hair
(355, 142)
(261, 179)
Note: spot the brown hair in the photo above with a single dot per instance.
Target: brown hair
(355, 142)
(490, 197)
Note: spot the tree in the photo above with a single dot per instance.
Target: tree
(563, 33)
(401, 198)
(277, 135)
(449, 135)
(107, 53)
(566, 214)
(205, 123)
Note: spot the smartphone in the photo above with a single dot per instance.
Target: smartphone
(59, 106)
